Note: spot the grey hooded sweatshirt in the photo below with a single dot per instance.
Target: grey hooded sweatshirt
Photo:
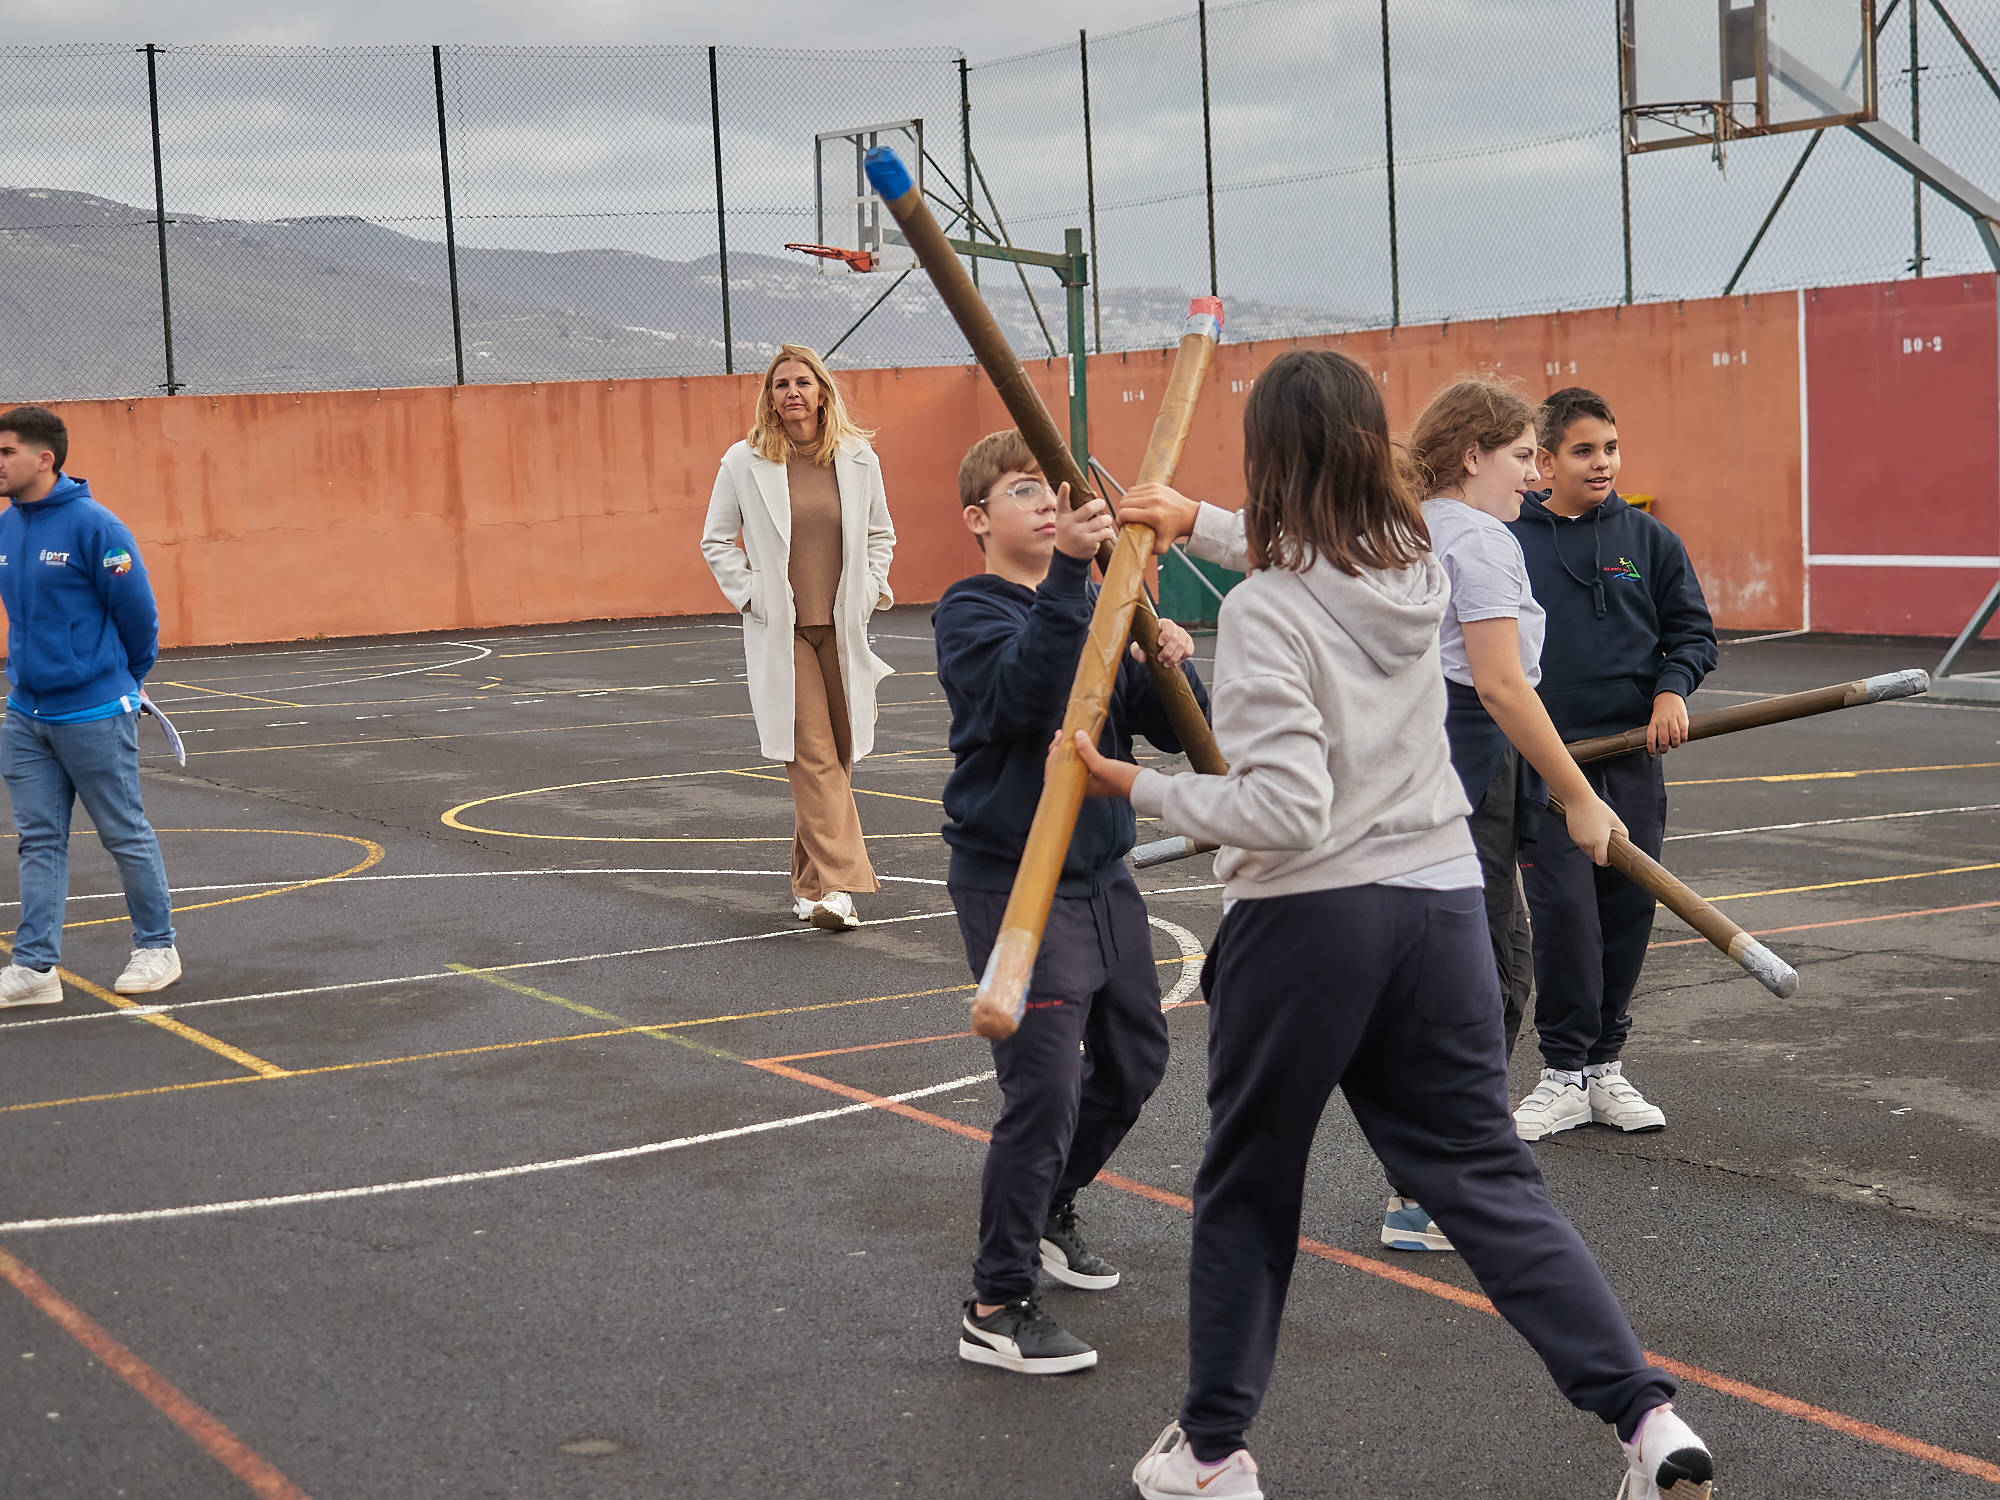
(1329, 706)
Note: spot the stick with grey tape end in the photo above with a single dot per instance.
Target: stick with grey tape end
(1166, 851)
(1911, 682)
(1769, 970)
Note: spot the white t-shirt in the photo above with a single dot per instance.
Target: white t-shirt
(1489, 581)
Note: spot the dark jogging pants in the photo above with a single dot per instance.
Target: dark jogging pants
(1490, 771)
(1064, 1107)
(1592, 924)
(1390, 994)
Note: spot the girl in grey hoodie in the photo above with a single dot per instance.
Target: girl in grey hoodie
(1353, 947)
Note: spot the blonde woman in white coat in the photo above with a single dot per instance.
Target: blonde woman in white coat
(804, 493)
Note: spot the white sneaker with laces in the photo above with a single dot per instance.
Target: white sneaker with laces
(149, 969)
(1614, 1102)
(1558, 1103)
(1170, 1470)
(802, 907)
(21, 985)
(1666, 1461)
(835, 912)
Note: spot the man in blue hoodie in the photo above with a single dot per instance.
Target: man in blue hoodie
(1629, 638)
(82, 632)
(1092, 1044)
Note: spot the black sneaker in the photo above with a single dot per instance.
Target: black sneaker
(1067, 1258)
(1019, 1336)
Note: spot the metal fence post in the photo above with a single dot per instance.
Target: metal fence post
(1079, 398)
(160, 213)
(965, 139)
(1207, 150)
(450, 225)
(721, 222)
(1389, 144)
(1624, 156)
(1090, 190)
(1916, 134)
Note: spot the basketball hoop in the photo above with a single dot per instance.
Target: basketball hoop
(1687, 120)
(855, 260)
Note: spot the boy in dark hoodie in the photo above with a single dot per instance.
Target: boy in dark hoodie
(1629, 638)
(82, 632)
(1092, 1044)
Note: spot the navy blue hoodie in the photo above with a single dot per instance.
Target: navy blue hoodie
(1007, 655)
(1626, 615)
(82, 628)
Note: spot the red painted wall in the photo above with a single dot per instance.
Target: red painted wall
(1904, 387)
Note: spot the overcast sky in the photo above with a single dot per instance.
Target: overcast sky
(980, 30)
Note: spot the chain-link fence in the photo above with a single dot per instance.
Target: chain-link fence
(266, 219)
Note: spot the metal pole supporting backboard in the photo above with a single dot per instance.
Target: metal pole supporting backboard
(450, 223)
(173, 385)
(721, 220)
(1090, 187)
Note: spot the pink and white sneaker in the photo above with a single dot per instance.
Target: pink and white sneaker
(1666, 1461)
(1170, 1471)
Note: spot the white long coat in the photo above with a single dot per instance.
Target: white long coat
(753, 497)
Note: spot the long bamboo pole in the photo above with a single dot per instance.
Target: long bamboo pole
(891, 179)
(1883, 688)
(1003, 988)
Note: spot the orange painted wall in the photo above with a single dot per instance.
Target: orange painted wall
(275, 517)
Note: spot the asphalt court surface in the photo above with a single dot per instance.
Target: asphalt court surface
(460, 1163)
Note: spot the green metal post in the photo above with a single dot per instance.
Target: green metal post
(1079, 401)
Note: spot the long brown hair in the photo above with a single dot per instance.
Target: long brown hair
(1474, 411)
(1321, 475)
(767, 432)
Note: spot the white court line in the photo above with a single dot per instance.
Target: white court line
(407, 644)
(141, 1011)
(479, 653)
(491, 1174)
(1927, 812)
(258, 885)
(1191, 956)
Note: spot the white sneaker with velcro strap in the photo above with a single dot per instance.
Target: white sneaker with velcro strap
(1558, 1103)
(1615, 1102)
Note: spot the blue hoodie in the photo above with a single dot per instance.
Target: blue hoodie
(1006, 657)
(82, 628)
(1626, 615)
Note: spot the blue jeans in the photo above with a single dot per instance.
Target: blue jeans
(47, 767)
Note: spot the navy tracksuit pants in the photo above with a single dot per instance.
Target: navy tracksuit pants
(1390, 994)
(1090, 1050)
(1591, 923)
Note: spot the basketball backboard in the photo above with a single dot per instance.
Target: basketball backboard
(1708, 72)
(849, 216)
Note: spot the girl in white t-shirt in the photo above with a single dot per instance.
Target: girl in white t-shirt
(1473, 453)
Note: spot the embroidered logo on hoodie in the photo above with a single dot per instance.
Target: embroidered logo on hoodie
(119, 561)
(1625, 570)
(55, 559)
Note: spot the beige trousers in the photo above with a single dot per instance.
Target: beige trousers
(828, 853)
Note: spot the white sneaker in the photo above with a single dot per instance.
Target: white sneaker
(835, 912)
(1556, 1104)
(1666, 1461)
(1407, 1225)
(1170, 1470)
(1614, 1102)
(21, 985)
(802, 907)
(149, 969)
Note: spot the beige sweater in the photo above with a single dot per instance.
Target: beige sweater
(1329, 707)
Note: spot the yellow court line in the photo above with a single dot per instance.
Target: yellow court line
(1974, 765)
(1841, 885)
(218, 692)
(180, 1029)
(656, 1032)
(541, 1041)
(593, 650)
(374, 855)
(859, 791)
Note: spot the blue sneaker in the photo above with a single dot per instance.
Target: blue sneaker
(1405, 1226)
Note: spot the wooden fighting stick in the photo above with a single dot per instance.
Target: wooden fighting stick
(892, 180)
(1908, 683)
(1759, 962)
(1003, 988)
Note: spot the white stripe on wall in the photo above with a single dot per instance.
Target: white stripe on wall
(1896, 560)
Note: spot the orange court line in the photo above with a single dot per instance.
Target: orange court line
(258, 1474)
(1854, 1427)
(1887, 916)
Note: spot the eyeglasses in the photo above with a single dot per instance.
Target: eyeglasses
(1021, 491)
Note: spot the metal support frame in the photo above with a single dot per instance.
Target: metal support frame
(965, 139)
(1917, 256)
(1968, 687)
(1624, 154)
(1389, 146)
(1090, 187)
(171, 385)
(450, 223)
(1207, 150)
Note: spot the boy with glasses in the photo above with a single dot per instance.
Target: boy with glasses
(1092, 1044)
